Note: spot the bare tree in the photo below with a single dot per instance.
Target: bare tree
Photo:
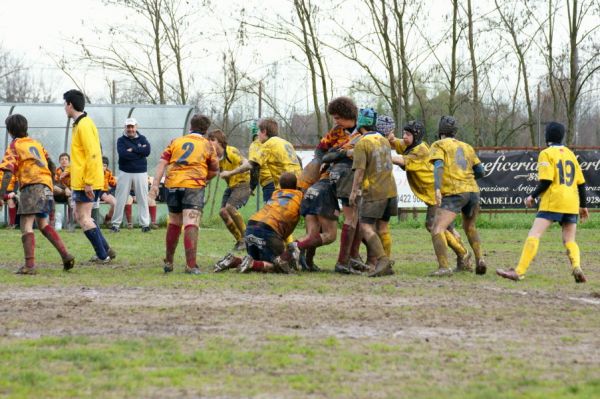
(18, 84)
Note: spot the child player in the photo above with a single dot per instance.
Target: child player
(109, 183)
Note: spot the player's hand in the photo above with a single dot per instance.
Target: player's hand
(397, 159)
(353, 195)
(438, 197)
(89, 191)
(391, 138)
(529, 201)
(584, 214)
(64, 175)
(225, 174)
(153, 193)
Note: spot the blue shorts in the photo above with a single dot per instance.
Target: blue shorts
(267, 191)
(79, 196)
(558, 217)
(262, 243)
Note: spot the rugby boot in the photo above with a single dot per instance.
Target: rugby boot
(26, 270)
(578, 275)
(193, 270)
(344, 269)
(358, 265)
(294, 251)
(302, 261)
(168, 267)
(383, 268)
(240, 246)
(463, 264)
(281, 266)
(95, 259)
(510, 274)
(68, 262)
(441, 272)
(112, 253)
(246, 265)
(228, 262)
(481, 267)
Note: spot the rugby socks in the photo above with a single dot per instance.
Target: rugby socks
(190, 243)
(455, 244)
(386, 242)
(239, 223)
(12, 216)
(258, 265)
(152, 210)
(355, 247)
(346, 239)
(474, 242)
(102, 239)
(55, 240)
(229, 223)
(173, 233)
(312, 241)
(96, 240)
(375, 246)
(28, 240)
(573, 253)
(529, 251)
(440, 246)
(128, 213)
(310, 256)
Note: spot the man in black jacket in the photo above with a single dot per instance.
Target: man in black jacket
(133, 149)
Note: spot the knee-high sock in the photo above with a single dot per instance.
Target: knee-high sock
(102, 239)
(530, 249)
(455, 244)
(441, 249)
(152, 210)
(28, 240)
(375, 246)
(55, 239)
(573, 253)
(231, 226)
(258, 265)
(386, 241)
(128, 213)
(190, 243)
(355, 246)
(346, 238)
(173, 233)
(312, 241)
(96, 240)
(12, 216)
(310, 256)
(474, 242)
(239, 222)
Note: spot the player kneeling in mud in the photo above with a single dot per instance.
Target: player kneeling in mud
(266, 232)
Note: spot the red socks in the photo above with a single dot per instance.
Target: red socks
(173, 232)
(355, 247)
(346, 239)
(28, 240)
(128, 213)
(152, 210)
(55, 239)
(258, 265)
(12, 216)
(313, 240)
(190, 243)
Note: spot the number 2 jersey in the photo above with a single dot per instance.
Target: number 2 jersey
(188, 160)
(559, 165)
(281, 212)
(27, 160)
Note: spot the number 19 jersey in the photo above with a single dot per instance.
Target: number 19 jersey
(188, 159)
(559, 165)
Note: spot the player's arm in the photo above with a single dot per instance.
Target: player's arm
(359, 175)
(478, 171)
(583, 210)
(245, 166)
(438, 174)
(51, 165)
(158, 175)
(212, 164)
(4, 185)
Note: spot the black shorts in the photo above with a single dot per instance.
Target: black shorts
(267, 191)
(467, 203)
(341, 174)
(320, 200)
(36, 199)
(561, 218)
(236, 196)
(179, 199)
(372, 211)
(262, 242)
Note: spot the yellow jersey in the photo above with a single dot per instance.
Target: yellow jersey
(27, 160)
(86, 155)
(188, 160)
(278, 156)
(419, 171)
(109, 180)
(232, 158)
(459, 159)
(373, 154)
(254, 155)
(281, 212)
(559, 165)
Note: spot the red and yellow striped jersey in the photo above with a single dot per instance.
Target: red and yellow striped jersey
(281, 212)
(27, 160)
(189, 159)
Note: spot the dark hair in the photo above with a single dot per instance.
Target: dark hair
(75, 98)
(105, 161)
(200, 123)
(16, 125)
(64, 154)
(270, 126)
(218, 136)
(288, 180)
(344, 107)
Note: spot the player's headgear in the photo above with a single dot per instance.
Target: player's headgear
(253, 128)
(447, 126)
(385, 124)
(555, 133)
(417, 129)
(366, 118)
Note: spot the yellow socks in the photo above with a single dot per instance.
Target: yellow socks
(239, 221)
(441, 249)
(386, 241)
(529, 251)
(573, 253)
(455, 244)
(233, 230)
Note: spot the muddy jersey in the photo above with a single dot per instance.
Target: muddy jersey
(278, 156)
(559, 165)
(459, 159)
(281, 212)
(419, 171)
(254, 154)
(27, 160)
(232, 158)
(109, 180)
(11, 184)
(188, 160)
(373, 154)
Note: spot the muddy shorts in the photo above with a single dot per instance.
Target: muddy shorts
(342, 175)
(561, 218)
(236, 196)
(320, 200)
(179, 199)
(467, 203)
(267, 191)
(36, 199)
(262, 243)
(372, 211)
